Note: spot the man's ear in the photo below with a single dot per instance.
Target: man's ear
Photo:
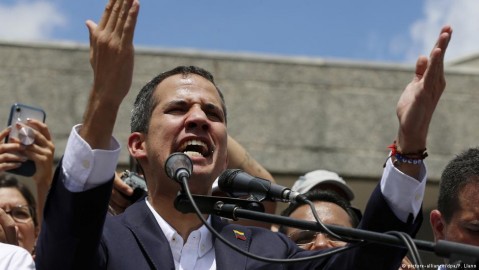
(136, 145)
(438, 224)
(226, 162)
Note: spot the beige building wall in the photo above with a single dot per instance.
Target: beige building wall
(293, 114)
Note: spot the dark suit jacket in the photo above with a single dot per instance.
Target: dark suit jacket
(75, 235)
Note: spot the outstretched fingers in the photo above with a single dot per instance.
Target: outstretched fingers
(106, 13)
(110, 16)
(420, 98)
(443, 40)
(434, 81)
(118, 20)
(439, 51)
(126, 22)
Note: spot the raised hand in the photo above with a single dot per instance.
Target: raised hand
(421, 96)
(119, 196)
(41, 152)
(111, 48)
(112, 60)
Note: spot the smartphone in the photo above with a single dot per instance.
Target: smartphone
(19, 113)
(137, 183)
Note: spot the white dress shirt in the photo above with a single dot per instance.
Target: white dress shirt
(196, 253)
(15, 258)
(403, 193)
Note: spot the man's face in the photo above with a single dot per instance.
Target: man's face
(188, 118)
(464, 224)
(329, 214)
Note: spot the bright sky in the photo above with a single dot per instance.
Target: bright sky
(373, 30)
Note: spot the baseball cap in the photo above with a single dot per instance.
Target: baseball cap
(311, 179)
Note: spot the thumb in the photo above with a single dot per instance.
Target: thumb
(91, 25)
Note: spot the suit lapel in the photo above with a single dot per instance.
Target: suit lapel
(153, 243)
(226, 257)
(156, 249)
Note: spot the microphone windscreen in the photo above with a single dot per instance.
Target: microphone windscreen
(178, 162)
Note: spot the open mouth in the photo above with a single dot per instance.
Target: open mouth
(196, 148)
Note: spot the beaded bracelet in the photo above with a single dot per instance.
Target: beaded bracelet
(410, 158)
(403, 159)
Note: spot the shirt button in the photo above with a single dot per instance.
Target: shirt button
(86, 164)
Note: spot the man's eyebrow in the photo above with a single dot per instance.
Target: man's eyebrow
(175, 103)
(212, 106)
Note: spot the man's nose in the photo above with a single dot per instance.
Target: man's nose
(197, 118)
(321, 241)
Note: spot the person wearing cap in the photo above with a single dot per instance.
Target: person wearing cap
(324, 180)
(331, 208)
(321, 180)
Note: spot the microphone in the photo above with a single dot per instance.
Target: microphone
(236, 182)
(177, 166)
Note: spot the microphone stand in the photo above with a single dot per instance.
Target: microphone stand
(235, 209)
(219, 206)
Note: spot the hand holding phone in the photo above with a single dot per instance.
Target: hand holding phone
(21, 132)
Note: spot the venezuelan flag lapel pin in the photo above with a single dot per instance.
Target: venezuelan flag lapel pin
(239, 235)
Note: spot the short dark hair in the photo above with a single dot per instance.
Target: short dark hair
(461, 170)
(145, 103)
(9, 181)
(316, 195)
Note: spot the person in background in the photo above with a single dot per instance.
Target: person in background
(16, 198)
(323, 180)
(122, 194)
(456, 218)
(331, 208)
(18, 213)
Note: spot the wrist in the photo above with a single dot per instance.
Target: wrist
(407, 162)
(410, 142)
(410, 148)
(41, 183)
(403, 155)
